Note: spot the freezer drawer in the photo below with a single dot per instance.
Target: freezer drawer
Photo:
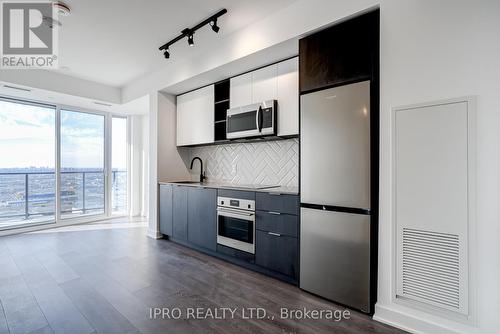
(335, 256)
(335, 146)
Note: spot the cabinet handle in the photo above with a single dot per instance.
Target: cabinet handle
(274, 213)
(275, 234)
(274, 194)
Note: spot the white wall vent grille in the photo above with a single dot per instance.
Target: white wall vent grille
(431, 267)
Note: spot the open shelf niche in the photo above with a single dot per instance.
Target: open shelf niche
(221, 101)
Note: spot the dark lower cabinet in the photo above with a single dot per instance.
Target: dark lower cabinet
(166, 225)
(202, 230)
(277, 222)
(277, 203)
(180, 213)
(189, 216)
(277, 252)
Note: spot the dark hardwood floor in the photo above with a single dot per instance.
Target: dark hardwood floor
(85, 280)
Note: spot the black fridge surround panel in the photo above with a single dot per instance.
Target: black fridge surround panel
(341, 54)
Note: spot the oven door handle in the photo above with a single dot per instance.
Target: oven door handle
(234, 213)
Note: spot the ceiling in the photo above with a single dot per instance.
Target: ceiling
(135, 107)
(114, 42)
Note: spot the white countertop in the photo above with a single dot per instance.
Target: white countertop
(234, 186)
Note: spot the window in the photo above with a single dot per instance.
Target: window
(92, 166)
(119, 160)
(27, 164)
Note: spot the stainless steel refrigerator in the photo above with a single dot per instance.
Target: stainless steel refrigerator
(335, 194)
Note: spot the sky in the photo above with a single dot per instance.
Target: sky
(82, 140)
(27, 138)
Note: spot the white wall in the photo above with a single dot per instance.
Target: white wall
(170, 164)
(153, 167)
(430, 50)
(145, 167)
(165, 162)
(136, 172)
(139, 165)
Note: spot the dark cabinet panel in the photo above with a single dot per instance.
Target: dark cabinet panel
(344, 53)
(277, 252)
(180, 210)
(277, 203)
(202, 204)
(278, 223)
(242, 194)
(166, 209)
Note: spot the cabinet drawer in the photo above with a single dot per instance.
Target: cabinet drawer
(241, 194)
(277, 203)
(278, 223)
(277, 253)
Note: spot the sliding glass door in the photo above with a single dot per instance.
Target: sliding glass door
(83, 186)
(27, 163)
(60, 163)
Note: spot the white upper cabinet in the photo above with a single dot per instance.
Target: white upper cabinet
(240, 91)
(274, 82)
(265, 84)
(195, 117)
(288, 97)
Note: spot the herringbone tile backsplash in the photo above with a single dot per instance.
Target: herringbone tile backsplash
(268, 162)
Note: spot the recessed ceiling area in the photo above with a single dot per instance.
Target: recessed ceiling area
(114, 42)
(139, 106)
(261, 58)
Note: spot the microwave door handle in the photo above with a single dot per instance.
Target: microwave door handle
(259, 119)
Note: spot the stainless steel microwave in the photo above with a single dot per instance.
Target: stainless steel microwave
(254, 120)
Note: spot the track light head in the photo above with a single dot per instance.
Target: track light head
(215, 27)
(190, 40)
(166, 54)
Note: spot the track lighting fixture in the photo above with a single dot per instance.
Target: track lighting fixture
(215, 27)
(189, 32)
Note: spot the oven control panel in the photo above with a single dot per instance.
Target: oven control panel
(236, 203)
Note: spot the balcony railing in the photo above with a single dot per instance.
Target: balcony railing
(27, 195)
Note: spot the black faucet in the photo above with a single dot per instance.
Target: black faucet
(202, 174)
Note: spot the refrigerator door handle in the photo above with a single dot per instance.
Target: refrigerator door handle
(323, 207)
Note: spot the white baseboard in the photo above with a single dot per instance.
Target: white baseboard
(154, 234)
(411, 321)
